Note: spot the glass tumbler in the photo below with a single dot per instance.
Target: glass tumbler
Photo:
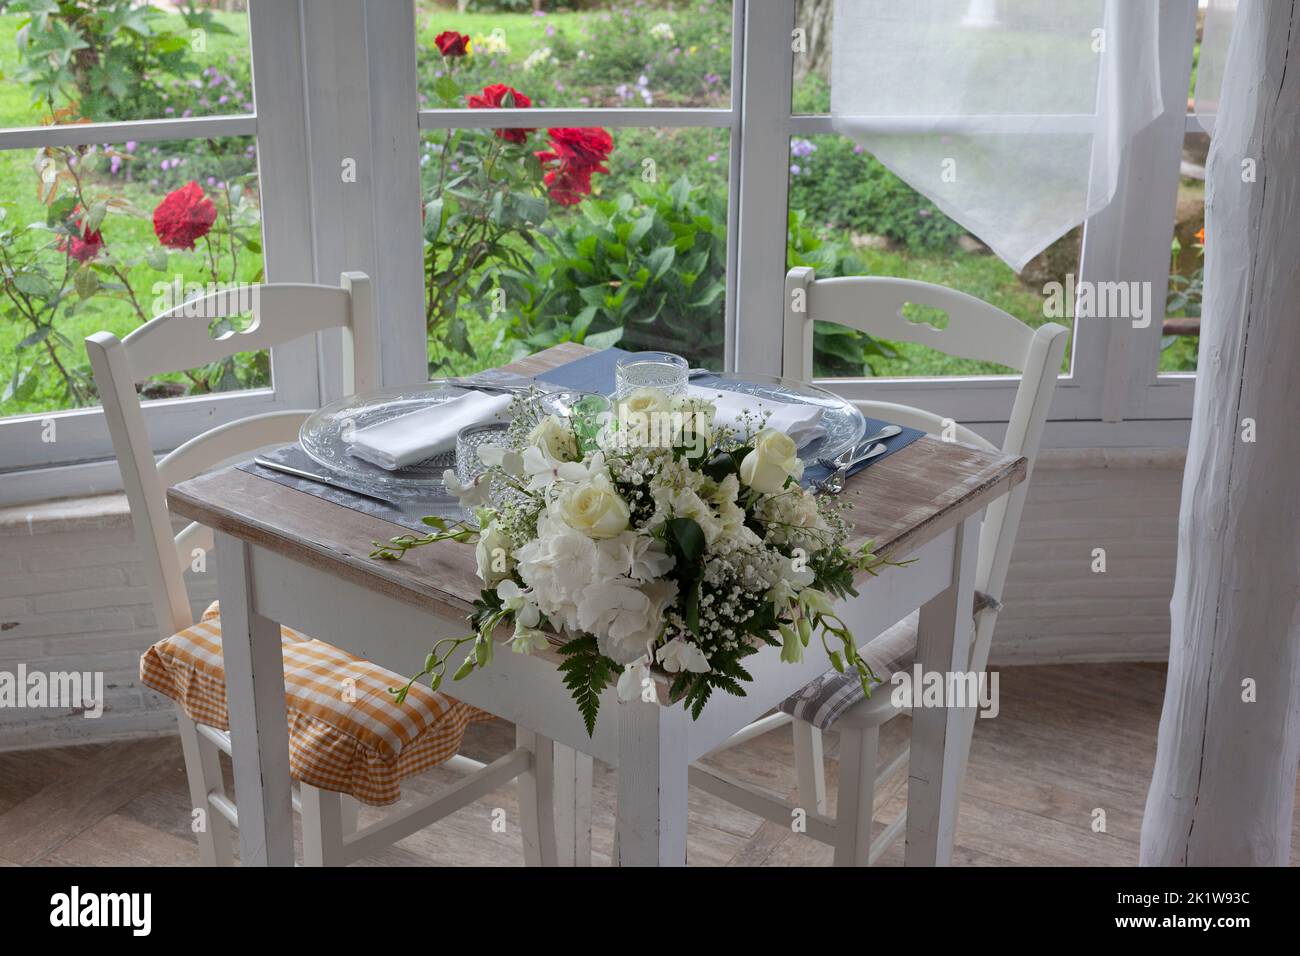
(662, 370)
(469, 440)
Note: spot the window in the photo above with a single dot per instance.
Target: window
(128, 184)
(605, 219)
(360, 153)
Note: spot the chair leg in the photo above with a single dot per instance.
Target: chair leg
(810, 768)
(537, 799)
(322, 826)
(350, 808)
(203, 771)
(857, 795)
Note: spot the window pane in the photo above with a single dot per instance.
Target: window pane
(607, 54)
(812, 57)
(522, 253)
(122, 60)
(1181, 339)
(852, 216)
(105, 237)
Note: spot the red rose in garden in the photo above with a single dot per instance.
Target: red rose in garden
(574, 155)
(491, 99)
(452, 44)
(85, 247)
(567, 186)
(183, 217)
(585, 147)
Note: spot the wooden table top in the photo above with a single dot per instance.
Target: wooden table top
(902, 501)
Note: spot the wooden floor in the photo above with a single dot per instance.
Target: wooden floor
(1069, 741)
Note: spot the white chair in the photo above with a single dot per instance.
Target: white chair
(975, 330)
(180, 339)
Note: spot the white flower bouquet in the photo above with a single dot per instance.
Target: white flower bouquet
(648, 538)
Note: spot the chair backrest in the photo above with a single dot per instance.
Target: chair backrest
(975, 330)
(179, 339)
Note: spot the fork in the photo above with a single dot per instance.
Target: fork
(833, 483)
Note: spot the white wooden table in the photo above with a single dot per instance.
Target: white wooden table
(285, 557)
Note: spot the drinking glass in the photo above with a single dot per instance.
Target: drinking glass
(469, 440)
(662, 370)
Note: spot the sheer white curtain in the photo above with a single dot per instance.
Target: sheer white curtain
(1010, 117)
(1216, 32)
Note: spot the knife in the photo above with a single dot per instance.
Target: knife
(323, 479)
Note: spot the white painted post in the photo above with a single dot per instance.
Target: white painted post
(652, 767)
(1223, 788)
(573, 771)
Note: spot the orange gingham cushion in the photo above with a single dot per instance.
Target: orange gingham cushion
(363, 747)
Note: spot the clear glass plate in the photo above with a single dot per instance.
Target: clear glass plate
(326, 435)
(844, 424)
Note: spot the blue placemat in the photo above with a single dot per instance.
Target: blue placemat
(595, 373)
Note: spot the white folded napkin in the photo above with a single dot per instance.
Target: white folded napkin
(800, 421)
(412, 438)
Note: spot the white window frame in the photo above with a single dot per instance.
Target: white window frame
(336, 80)
(1113, 395)
(79, 460)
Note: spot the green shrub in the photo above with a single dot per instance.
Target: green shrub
(840, 185)
(647, 269)
(109, 57)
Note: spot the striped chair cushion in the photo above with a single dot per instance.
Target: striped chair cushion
(825, 700)
(346, 733)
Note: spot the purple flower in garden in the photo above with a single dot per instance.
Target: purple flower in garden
(622, 91)
(212, 180)
(130, 145)
(115, 164)
(187, 113)
(712, 79)
(550, 29)
(223, 100)
(857, 150)
(712, 157)
(794, 169)
(169, 109)
(559, 87)
(803, 148)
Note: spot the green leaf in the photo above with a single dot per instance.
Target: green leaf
(686, 538)
(660, 261)
(35, 338)
(33, 283)
(587, 672)
(157, 258)
(85, 282)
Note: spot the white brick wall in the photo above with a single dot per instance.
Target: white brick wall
(72, 593)
(72, 598)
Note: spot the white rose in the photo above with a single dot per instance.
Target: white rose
(492, 554)
(773, 460)
(641, 413)
(554, 436)
(593, 507)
